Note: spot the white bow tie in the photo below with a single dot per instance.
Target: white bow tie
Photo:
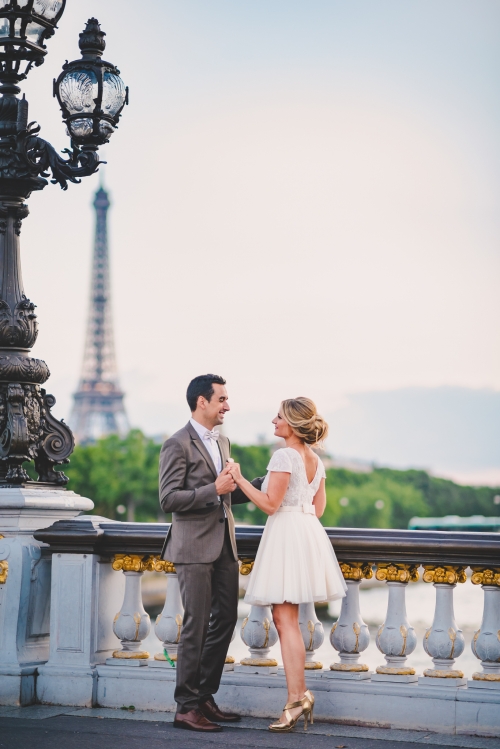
(213, 435)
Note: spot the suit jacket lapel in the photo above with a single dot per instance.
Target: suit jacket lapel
(201, 447)
(224, 452)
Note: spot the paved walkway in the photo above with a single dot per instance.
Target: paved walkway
(75, 728)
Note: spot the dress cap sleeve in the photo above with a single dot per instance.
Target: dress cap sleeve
(280, 462)
(321, 471)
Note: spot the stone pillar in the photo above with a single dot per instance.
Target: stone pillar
(85, 594)
(443, 641)
(486, 642)
(350, 635)
(25, 584)
(313, 634)
(396, 638)
(132, 624)
(259, 635)
(168, 624)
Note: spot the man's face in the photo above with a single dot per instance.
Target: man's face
(215, 409)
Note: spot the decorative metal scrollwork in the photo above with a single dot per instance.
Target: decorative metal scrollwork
(57, 444)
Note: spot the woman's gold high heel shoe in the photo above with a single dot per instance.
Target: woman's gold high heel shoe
(310, 697)
(291, 722)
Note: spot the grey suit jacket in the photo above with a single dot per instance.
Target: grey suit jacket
(187, 490)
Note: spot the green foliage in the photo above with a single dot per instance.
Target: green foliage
(373, 501)
(404, 494)
(253, 460)
(116, 471)
(443, 497)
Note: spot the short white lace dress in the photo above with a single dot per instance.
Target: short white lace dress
(295, 561)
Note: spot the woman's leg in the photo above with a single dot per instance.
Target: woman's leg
(286, 619)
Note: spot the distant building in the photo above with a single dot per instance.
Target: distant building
(98, 407)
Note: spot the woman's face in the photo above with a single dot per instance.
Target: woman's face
(281, 427)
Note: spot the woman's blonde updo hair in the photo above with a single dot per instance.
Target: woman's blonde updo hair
(302, 416)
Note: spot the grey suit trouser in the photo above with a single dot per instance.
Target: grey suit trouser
(209, 595)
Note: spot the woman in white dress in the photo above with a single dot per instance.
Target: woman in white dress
(295, 562)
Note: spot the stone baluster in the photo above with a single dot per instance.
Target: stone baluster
(168, 625)
(350, 635)
(313, 634)
(132, 624)
(259, 635)
(486, 642)
(396, 638)
(443, 641)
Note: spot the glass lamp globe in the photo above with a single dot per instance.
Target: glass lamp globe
(91, 92)
(25, 25)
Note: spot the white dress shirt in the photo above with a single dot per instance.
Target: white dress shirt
(211, 445)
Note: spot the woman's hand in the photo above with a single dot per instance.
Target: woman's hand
(235, 471)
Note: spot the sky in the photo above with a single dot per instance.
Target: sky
(304, 200)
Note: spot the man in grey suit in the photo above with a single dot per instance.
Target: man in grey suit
(196, 488)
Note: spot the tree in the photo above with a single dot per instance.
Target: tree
(114, 472)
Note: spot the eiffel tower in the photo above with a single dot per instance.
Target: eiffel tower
(98, 407)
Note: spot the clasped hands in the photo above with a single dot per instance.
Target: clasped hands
(227, 479)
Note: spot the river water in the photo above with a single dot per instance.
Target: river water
(420, 603)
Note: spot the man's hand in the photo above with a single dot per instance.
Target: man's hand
(224, 483)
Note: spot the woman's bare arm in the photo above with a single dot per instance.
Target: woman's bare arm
(268, 501)
(319, 500)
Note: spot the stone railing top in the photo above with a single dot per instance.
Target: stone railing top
(88, 534)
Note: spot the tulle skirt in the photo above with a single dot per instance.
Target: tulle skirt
(295, 561)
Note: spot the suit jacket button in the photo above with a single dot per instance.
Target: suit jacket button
(221, 520)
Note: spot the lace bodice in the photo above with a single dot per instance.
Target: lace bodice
(300, 491)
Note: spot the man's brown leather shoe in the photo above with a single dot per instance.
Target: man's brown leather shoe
(211, 711)
(194, 720)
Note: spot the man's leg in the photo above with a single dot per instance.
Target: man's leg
(195, 587)
(224, 615)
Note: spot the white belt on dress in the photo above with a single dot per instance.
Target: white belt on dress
(307, 509)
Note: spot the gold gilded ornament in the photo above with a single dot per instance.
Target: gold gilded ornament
(486, 576)
(396, 671)
(348, 667)
(133, 655)
(478, 676)
(435, 673)
(163, 565)
(246, 566)
(258, 662)
(356, 570)
(141, 563)
(448, 574)
(4, 569)
(128, 563)
(396, 572)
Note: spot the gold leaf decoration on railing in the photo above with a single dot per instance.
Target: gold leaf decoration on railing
(4, 571)
(397, 572)
(163, 565)
(246, 565)
(448, 574)
(356, 570)
(486, 576)
(128, 563)
(141, 563)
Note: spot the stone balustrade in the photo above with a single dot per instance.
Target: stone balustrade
(96, 642)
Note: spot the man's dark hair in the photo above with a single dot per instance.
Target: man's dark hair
(202, 385)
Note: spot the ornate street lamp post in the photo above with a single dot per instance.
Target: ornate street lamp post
(91, 95)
